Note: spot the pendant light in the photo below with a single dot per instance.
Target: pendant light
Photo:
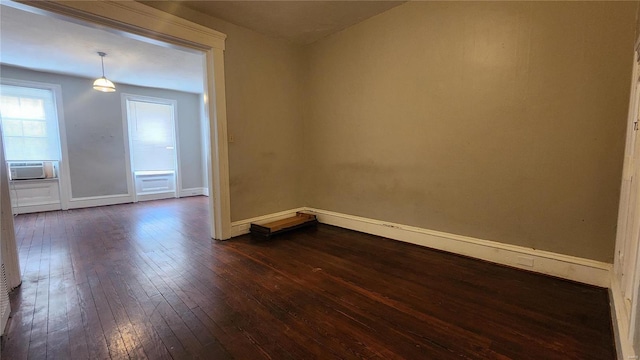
(103, 84)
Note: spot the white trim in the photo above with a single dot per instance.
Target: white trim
(9, 254)
(545, 262)
(176, 144)
(134, 19)
(204, 142)
(27, 209)
(218, 184)
(242, 227)
(131, 190)
(620, 322)
(64, 177)
(625, 279)
(205, 191)
(160, 195)
(635, 287)
(192, 192)
(92, 201)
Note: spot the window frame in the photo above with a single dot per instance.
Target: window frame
(63, 172)
(49, 138)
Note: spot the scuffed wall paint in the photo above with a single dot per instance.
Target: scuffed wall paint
(502, 121)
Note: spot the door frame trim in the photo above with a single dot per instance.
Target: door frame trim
(625, 316)
(133, 19)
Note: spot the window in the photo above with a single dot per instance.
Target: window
(152, 133)
(29, 123)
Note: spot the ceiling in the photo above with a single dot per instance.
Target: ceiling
(302, 22)
(51, 44)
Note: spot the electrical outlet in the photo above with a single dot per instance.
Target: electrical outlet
(525, 261)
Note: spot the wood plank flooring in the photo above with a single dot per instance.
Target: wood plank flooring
(145, 281)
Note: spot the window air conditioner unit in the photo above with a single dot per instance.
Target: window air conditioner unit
(27, 170)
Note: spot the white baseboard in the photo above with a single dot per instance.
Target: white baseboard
(620, 322)
(27, 209)
(192, 192)
(564, 266)
(161, 195)
(205, 191)
(92, 201)
(545, 262)
(242, 227)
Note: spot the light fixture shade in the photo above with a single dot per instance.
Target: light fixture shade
(104, 85)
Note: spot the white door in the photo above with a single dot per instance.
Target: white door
(152, 144)
(632, 226)
(628, 237)
(5, 305)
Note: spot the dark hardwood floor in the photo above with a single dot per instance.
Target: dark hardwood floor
(145, 281)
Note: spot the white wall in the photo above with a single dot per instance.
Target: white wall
(95, 135)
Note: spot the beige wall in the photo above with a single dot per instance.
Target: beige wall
(638, 19)
(502, 121)
(264, 116)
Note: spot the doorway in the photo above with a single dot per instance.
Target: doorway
(138, 21)
(153, 147)
(158, 27)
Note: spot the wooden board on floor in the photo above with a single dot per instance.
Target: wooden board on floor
(280, 226)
